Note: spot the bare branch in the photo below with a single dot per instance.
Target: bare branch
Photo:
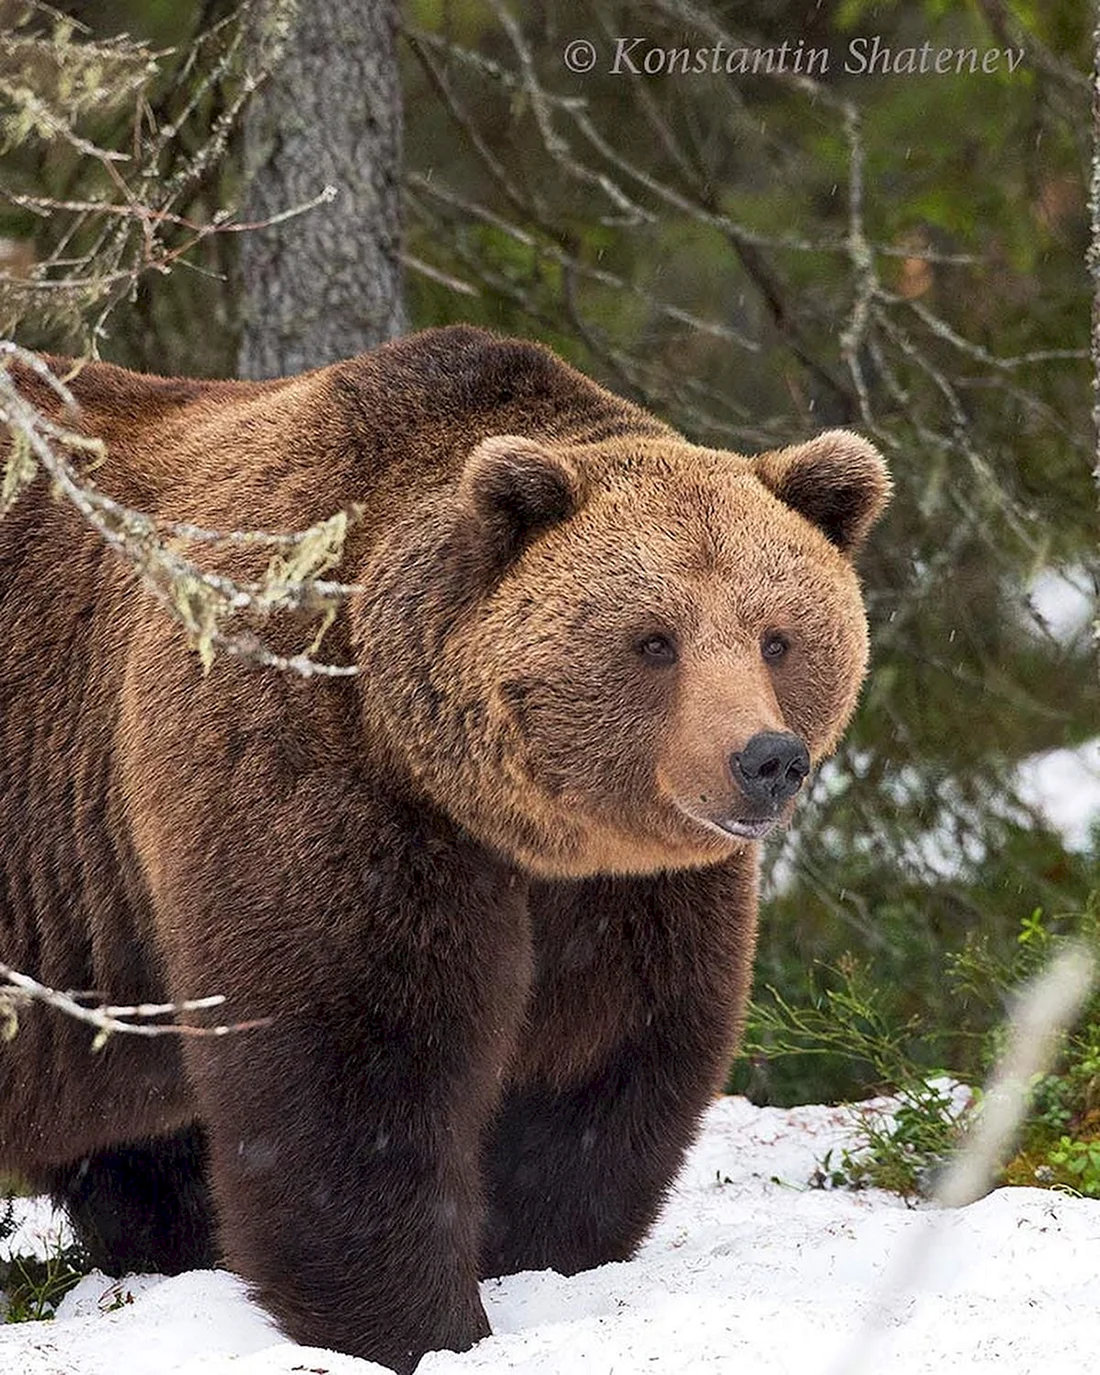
(203, 602)
(19, 989)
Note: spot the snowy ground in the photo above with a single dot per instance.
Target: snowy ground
(748, 1271)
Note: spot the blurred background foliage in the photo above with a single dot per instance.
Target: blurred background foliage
(756, 258)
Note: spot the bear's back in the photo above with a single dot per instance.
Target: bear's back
(380, 430)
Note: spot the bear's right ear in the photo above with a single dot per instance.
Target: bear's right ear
(517, 488)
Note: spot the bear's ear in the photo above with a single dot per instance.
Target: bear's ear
(518, 488)
(838, 481)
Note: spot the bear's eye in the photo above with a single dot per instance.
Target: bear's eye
(657, 650)
(773, 645)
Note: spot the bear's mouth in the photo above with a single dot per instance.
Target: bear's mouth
(748, 830)
(743, 828)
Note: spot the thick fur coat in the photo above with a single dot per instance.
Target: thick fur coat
(494, 896)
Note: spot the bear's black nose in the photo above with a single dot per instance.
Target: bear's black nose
(770, 768)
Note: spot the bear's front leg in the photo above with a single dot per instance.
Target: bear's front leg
(640, 988)
(393, 961)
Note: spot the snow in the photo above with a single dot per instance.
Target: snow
(748, 1270)
(1064, 787)
(1063, 599)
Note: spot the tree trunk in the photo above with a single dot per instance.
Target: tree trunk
(325, 284)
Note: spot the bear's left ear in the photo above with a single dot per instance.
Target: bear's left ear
(838, 481)
(518, 488)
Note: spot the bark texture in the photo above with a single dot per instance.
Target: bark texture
(325, 284)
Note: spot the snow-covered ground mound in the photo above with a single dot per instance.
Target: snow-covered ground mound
(748, 1271)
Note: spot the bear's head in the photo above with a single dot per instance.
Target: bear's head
(624, 656)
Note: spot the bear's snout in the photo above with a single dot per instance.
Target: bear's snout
(770, 769)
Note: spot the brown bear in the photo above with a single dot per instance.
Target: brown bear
(494, 895)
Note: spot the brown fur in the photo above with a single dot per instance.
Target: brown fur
(482, 890)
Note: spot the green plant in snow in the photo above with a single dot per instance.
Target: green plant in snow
(897, 1146)
(901, 1145)
(34, 1286)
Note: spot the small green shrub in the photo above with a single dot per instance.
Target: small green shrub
(897, 1149)
(30, 1287)
(903, 1150)
(1081, 1160)
(34, 1287)
(1059, 1144)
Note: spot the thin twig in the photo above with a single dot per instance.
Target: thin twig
(108, 1020)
